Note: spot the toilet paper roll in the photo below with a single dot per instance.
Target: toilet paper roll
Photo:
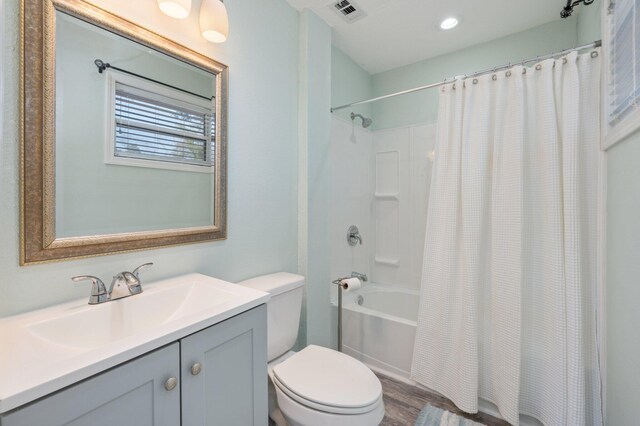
(349, 284)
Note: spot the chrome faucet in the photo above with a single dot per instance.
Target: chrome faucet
(124, 284)
(361, 277)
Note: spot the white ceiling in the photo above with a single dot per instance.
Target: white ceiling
(400, 32)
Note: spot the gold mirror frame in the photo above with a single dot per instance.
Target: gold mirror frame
(37, 119)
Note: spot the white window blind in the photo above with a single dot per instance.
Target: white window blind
(156, 127)
(625, 59)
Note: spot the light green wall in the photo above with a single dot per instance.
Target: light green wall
(623, 261)
(263, 149)
(91, 196)
(623, 264)
(421, 107)
(314, 197)
(589, 22)
(623, 282)
(349, 83)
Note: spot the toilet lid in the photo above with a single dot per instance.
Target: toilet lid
(329, 378)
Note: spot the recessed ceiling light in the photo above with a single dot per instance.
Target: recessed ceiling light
(449, 23)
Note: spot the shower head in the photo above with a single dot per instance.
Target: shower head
(366, 122)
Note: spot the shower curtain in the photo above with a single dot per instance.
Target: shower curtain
(507, 309)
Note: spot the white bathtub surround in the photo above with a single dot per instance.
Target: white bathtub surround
(402, 171)
(507, 306)
(380, 182)
(379, 327)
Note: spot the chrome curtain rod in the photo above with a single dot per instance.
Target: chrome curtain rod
(102, 66)
(597, 43)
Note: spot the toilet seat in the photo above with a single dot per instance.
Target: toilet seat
(328, 381)
(322, 407)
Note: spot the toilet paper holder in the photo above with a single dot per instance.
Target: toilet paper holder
(342, 286)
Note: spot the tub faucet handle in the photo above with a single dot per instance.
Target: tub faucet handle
(353, 236)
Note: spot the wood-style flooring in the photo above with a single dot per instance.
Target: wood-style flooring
(403, 403)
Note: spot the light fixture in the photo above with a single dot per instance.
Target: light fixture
(179, 9)
(449, 23)
(214, 21)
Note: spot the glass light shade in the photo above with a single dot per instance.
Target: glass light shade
(214, 21)
(179, 9)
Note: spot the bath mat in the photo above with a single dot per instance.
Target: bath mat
(434, 416)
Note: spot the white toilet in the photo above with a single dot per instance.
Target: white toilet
(316, 386)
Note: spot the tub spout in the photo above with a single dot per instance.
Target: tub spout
(362, 277)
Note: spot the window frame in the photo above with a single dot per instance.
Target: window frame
(616, 132)
(113, 78)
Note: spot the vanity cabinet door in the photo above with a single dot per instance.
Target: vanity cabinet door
(131, 394)
(224, 372)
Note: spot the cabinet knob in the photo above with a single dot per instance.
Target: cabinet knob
(171, 383)
(196, 368)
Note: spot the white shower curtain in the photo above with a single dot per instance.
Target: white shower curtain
(507, 309)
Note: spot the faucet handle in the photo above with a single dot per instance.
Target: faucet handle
(98, 290)
(133, 282)
(136, 272)
(353, 236)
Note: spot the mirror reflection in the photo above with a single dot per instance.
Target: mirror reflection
(135, 136)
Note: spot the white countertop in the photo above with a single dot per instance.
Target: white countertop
(46, 350)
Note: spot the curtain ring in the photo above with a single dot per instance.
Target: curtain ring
(524, 71)
(475, 81)
(508, 74)
(594, 54)
(564, 60)
(494, 77)
(454, 86)
(538, 67)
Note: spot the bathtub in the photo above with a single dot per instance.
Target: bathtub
(379, 326)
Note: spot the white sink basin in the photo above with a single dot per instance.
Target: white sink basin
(46, 350)
(97, 325)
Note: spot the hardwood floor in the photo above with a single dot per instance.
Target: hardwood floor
(403, 403)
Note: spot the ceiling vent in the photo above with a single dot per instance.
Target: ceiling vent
(348, 10)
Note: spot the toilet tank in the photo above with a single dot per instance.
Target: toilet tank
(283, 309)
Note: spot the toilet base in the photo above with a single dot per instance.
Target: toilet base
(278, 418)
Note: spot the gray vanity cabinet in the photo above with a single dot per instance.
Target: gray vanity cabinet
(217, 376)
(224, 373)
(129, 394)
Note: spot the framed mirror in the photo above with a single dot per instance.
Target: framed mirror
(124, 137)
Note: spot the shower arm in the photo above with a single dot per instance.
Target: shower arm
(366, 122)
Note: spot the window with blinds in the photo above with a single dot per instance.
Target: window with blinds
(156, 127)
(624, 67)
